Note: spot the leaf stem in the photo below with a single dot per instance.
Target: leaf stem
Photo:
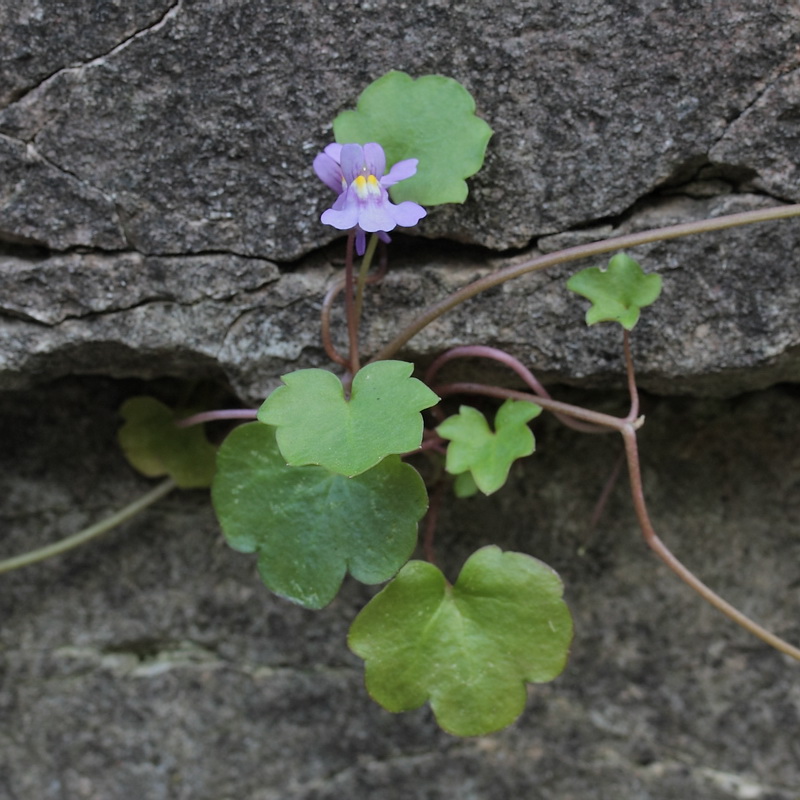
(325, 323)
(632, 389)
(688, 577)
(595, 418)
(98, 528)
(627, 428)
(469, 291)
(350, 307)
(366, 263)
(220, 414)
(482, 351)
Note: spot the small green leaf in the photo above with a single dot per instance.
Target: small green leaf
(154, 445)
(310, 526)
(316, 425)
(464, 485)
(469, 649)
(617, 293)
(486, 455)
(431, 119)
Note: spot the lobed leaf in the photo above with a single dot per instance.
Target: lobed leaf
(154, 446)
(317, 425)
(468, 649)
(311, 526)
(617, 293)
(488, 455)
(431, 119)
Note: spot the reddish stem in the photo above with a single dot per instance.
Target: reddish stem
(325, 323)
(632, 390)
(222, 414)
(627, 428)
(688, 577)
(350, 306)
(482, 351)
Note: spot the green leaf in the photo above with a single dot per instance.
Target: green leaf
(469, 649)
(464, 485)
(154, 446)
(310, 526)
(617, 293)
(317, 425)
(432, 119)
(486, 455)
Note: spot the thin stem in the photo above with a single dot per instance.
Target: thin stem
(330, 298)
(688, 577)
(366, 263)
(350, 307)
(221, 414)
(325, 323)
(482, 351)
(77, 539)
(575, 253)
(595, 418)
(632, 389)
(602, 501)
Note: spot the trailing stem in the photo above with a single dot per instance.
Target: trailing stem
(77, 539)
(436, 310)
(354, 309)
(627, 428)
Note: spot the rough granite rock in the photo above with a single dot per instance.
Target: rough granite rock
(152, 663)
(766, 139)
(159, 220)
(727, 321)
(202, 127)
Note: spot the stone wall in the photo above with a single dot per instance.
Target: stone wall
(159, 223)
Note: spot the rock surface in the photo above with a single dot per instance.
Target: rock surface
(151, 663)
(727, 321)
(159, 221)
(200, 128)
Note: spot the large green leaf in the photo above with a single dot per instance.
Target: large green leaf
(617, 293)
(431, 119)
(154, 445)
(309, 525)
(470, 648)
(317, 425)
(488, 455)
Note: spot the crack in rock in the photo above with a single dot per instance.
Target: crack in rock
(24, 93)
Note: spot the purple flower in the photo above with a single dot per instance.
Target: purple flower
(355, 173)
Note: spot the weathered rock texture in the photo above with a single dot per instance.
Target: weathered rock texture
(152, 664)
(159, 219)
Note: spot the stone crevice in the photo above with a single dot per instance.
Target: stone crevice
(777, 74)
(25, 93)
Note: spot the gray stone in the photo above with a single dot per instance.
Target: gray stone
(151, 663)
(726, 323)
(202, 128)
(37, 39)
(43, 205)
(159, 221)
(766, 139)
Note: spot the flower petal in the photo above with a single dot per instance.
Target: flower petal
(353, 162)
(376, 215)
(334, 150)
(408, 213)
(400, 171)
(328, 171)
(374, 159)
(361, 242)
(345, 212)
